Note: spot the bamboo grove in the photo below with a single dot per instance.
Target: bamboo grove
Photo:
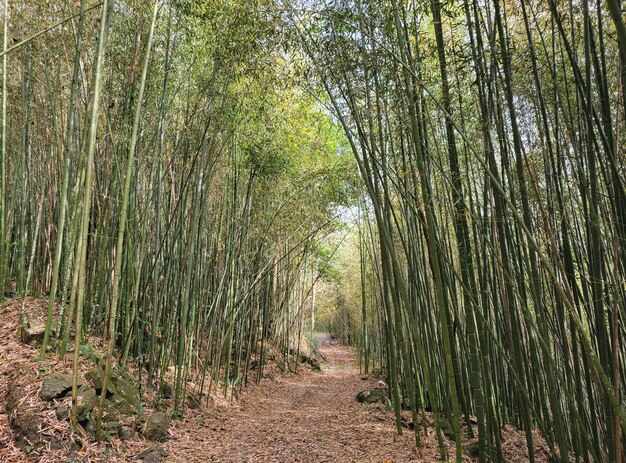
(489, 136)
(174, 171)
(152, 165)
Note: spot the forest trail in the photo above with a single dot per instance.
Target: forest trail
(304, 417)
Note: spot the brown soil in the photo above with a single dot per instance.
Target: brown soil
(309, 417)
(303, 417)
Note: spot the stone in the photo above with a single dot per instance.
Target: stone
(193, 402)
(14, 395)
(152, 454)
(125, 433)
(25, 424)
(313, 362)
(56, 444)
(63, 413)
(31, 331)
(55, 385)
(122, 396)
(472, 448)
(90, 427)
(446, 429)
(96, 375)
(166, 390)
(87, 400)
(112, 428)
(157, 427)
(407, 423)
(372, 397)
(125, 396)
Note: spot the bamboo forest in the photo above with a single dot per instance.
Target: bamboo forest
(313, 231)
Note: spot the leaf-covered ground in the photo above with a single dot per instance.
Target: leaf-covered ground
(291, 417)
(308, 417)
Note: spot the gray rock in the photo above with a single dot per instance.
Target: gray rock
(31, 331)
(166, 390)
(88, 400)
(56, 444)
(14, 395)
(125, 433)
(152, 454)
(95, 376)
(125, 396)
(472, 448)
(55, 385)
(372, 397)
(63, 413)
(157, 427)
(193, 402)
(112, 428)
(25, 424)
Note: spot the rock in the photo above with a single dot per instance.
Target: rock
(125, 433)
(87, 400)
(90, 427)
(157, 427)
(25, 424)
(166, 390)
(55, 444)
(95, 376)
(193, 401)
(372, 397)
(55, 385)
(14, 395)
(31, 331)
(407, 423)
(313, 362)
(63, 413)
(112, 428)
(125, 398)
(152, 454)
(472, 448)
(446, 428)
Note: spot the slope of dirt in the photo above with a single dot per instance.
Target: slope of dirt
(309, 417)
(303, 417)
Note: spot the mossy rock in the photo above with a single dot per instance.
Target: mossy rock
(95, 377)
(446, 428)
(123, 396)
(193, 401)
(472, 448)
(157, 426)
(112, 428)
(166, 390)
(152, 455)
(372, 397)
(88, 400)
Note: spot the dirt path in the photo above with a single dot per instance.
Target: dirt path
(310, 417)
